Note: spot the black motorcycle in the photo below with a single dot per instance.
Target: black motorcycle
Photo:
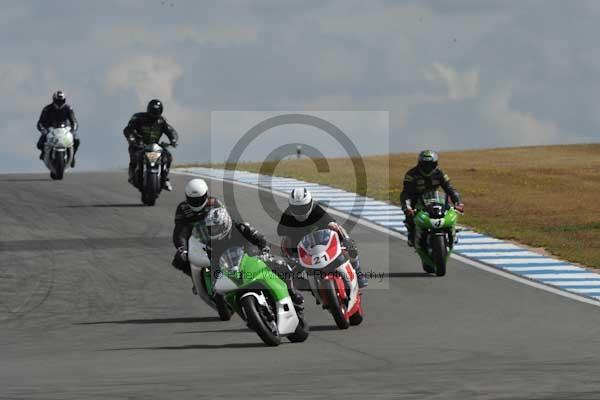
(149, 172)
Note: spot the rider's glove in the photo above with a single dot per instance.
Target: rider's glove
(460, 207)
(266, 250)
(173, 144)
(351, 249)
(409, 212)
(131, 139)
(182, 254)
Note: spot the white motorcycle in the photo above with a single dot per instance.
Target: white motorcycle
(58, 150)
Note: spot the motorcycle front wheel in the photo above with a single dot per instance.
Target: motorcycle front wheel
(150, 191)
(335, 306)
(59, 166)
(438, 254)
(256, 321)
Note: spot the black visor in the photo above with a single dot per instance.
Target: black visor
(59, 102)
(196, 201)
(428, 166)
(300, 210)
(216, 230)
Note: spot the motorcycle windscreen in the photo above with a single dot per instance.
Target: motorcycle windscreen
(230, 261)
(435, 203)
(317, 249)
(433, 197)
(153, 156)
(61, 137)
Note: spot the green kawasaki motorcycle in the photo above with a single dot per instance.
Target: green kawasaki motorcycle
(435, 232)
(258, 295)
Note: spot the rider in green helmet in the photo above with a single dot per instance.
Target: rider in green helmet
(424, 177)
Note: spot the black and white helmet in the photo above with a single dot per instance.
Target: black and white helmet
(301, 203)
(59, 99)
(196, 194)
(428, 161)
(217, 223)
(155, 108)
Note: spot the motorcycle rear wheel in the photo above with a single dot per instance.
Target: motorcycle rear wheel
(427, 268)
(222, 308)
(302, 331)
(356, 318)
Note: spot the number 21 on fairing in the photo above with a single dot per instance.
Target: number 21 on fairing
(318, 259)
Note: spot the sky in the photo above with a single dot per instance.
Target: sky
(444, 74)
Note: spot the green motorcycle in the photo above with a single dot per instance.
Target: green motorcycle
(259, 296)
(435, 232)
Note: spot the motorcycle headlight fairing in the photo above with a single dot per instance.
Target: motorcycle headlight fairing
(153, 156)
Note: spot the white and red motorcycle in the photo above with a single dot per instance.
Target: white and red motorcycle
(332, 279)
(58, 150)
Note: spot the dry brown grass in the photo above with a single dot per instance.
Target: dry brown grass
(545, 197)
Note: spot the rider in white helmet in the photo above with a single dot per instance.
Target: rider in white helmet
(194, 209)
(305, 215)
(218, 232)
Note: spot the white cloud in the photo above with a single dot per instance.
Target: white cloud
(148, 75)
(522, 128)
(152, 76)
(128, 36)
(518, 72)
(459, 86)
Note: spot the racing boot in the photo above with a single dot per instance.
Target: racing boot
(131, 178)
(297, 299)
(75, 147)
(411, 237)
(166, 185)
(40, 145)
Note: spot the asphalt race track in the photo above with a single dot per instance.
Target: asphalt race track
(91, 308)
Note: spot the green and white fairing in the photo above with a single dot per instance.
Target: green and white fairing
(241, 275)
(246, 285)
(435, 233)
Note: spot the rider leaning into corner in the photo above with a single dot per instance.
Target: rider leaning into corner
(219, 233)
(303, 216)
(194, 209)
(54, 114)
(147, 128)
(424, 177)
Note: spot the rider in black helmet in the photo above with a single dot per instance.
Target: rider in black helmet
(147, 128)
(54, 114)
(425, 177)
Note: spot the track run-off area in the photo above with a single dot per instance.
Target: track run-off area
(90, 307)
